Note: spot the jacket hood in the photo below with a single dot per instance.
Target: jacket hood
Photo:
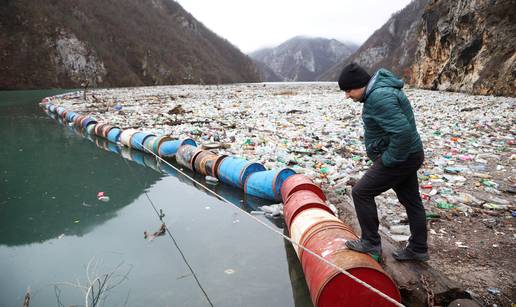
(383, 78)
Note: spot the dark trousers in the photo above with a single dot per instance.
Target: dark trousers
(403, 180)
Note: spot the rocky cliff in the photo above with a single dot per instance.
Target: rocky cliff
(468, 46)
(393, 46)
(301, 58)
(62, 43)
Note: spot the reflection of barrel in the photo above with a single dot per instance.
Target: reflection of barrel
(151, 162)
(125, 136)
(138, 157)
(125, 152)
(113, 147)
(186, 155)
(51, 108)
(169, 148)
(267, 184)
(328, 286)
(114, 134)
(299, 182)
(302, 200)
(138, 139)
(234, 170)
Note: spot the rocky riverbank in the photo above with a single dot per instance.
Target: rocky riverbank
(467, 181)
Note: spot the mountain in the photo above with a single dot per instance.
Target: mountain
(393, 46)
(468, 46)
(62, 43)
(302, 58)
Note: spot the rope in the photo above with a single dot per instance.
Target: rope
(171, 236)
(363, 283)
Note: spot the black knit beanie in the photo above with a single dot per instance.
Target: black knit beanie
(353, 76)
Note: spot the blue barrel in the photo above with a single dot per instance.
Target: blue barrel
(168, 149)
(149, 143)
(114, 134)
(267, 184)
(70, 116)
(88, 120)
(234, 170)
(113, 147)
(138, 139)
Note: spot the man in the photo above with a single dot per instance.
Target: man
(393, 143)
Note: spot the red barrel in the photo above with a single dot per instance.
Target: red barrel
(99, 128)
(328, 286)
(299, 182)
(302, 200)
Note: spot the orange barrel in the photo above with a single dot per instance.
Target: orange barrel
(306, 219)
(327, 285)
(77, 120)
(105, 130)
(299, 182)
(200, 161)
(186, 155)
(211, 165)
(267, 184)
(98, 129)
(126, 135)
(302, 200)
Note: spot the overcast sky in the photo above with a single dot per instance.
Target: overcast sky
(251, 25)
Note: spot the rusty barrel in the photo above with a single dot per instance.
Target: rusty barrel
(105, 130)
(156, 142)
(302, 200)
(99, 128)
(77, 120)
(186, 155)
(126, 135)
(149, 142)
(200, 161)
(299, 182)
(330, 287)
(211, 165)
(267, 184)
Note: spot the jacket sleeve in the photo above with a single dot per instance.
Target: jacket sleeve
(390, 117)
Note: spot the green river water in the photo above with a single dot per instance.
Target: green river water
(52, 225)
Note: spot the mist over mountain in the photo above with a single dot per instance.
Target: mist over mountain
(301, 58)
(62, 43)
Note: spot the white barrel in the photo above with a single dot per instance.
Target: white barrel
(126, 135)
(306, 219)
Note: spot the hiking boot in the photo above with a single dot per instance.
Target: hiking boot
(364, 246)
(406, 254)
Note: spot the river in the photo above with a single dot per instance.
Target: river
(56, 235)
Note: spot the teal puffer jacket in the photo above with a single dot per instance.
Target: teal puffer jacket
(389, 126)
